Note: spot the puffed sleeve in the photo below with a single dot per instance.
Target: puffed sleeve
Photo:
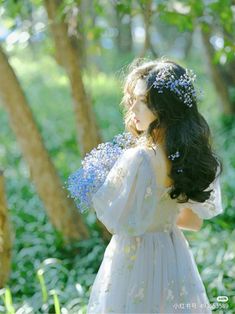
(126, 201)
(211, 207)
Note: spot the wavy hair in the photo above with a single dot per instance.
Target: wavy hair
(178, 127)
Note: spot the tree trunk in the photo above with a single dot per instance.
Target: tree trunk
(188, 45)
(124, 37)
(218, 76)
(147, 16)
(61, 210)
(81, 38)
(5, 236)
(76, 13)
(88, 132)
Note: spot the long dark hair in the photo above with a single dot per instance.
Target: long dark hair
(185, 131)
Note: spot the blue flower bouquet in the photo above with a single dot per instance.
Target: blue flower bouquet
(85, 181)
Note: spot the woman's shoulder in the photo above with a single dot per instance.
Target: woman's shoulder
(155, 152)
(160, 164)
(142, 151)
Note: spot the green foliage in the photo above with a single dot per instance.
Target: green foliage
(123, 7)
(219, 277)
(182, 21)
(214, 16)
(56, 302)
(7, 300)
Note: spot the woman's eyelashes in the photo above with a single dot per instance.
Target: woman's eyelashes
(138, 103)
(133, 99)
(141, 99)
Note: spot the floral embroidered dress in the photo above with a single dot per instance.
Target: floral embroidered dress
(148, 266)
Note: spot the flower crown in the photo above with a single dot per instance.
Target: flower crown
(182, 86)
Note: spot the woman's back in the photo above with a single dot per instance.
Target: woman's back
(166, 209)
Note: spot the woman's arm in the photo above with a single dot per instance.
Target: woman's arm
(188, 220)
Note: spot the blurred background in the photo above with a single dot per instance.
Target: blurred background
(62, 65)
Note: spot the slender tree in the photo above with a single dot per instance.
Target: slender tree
(5, 236)
(147, 13)
(88, 132)
(123, 23)
(61, 209)
(219, 74)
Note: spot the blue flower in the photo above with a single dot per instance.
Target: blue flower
(85, 181)
(182, 87)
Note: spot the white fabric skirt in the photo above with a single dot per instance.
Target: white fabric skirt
(152, 273)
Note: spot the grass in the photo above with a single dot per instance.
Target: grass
(49, 277)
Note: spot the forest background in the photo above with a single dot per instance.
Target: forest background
(62, 65)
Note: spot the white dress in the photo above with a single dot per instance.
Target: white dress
(148, 266)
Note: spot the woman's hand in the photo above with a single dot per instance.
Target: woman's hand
(188, 220)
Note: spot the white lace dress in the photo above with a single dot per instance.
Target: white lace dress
(148, 266)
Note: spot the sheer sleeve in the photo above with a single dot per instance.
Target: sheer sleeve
(211, 207)
(126, 202)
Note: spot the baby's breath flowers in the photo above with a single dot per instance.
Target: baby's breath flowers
(182, 86)
(173, 156)
(84, 182)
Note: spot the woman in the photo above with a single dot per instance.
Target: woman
(170, 179)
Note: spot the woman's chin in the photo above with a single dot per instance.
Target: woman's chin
(138, 127)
